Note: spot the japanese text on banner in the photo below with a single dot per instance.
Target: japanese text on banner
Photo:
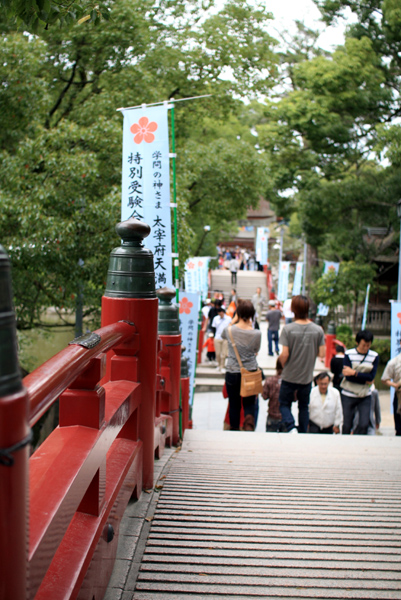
(189, 312)
(196, 271)
(146, 182)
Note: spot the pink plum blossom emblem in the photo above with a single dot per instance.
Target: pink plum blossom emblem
(143, 130)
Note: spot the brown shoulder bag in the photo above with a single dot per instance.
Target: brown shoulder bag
(251, 381)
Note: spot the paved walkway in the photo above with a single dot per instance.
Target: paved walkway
(245, 515)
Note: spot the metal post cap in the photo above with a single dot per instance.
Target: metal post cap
(132, 231)
(331, 328)
(169, 322)
(166, 294)
(131, 271)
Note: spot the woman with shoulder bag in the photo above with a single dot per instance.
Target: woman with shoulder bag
(245, 341)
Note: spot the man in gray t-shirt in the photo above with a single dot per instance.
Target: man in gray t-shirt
(302, 342)
(273, 317)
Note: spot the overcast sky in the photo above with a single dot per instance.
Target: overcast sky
(288, 11)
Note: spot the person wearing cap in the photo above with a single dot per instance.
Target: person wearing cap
(273, 317)
(210, 349)
(220, 322)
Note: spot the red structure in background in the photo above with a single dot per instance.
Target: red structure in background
(102, 452)
(331, 344)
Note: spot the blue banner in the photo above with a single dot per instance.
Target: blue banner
(146, 182)
(365, 309)
(330, 266)
(196, 271)
(283, 280)
(262, 241)
(395, 329)
(189, 312)
(299, 269)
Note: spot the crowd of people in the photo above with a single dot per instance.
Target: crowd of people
(340, 401)
(237, 259)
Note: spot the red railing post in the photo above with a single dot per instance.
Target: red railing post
(169, 333)
(130, 295)
(14, 451)
(330, 343)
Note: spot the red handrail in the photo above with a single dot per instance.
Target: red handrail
(48, 381)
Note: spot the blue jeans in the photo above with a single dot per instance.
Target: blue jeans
(287, 397)
(397, 417)
(272, 336)
(350, 407)
(233, 385)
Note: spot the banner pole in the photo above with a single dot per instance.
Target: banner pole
(176, 261)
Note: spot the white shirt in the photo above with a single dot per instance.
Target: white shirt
(205, 310)
(327, 413)
(220, 324)
(288, 314)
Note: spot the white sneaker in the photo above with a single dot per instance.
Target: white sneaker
(223, 370)
(218, 369)
(293, 430)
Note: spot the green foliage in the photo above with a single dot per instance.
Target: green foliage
(324, 137)
(60, 134)
(347, 339)
(343, 330)
(344, 288)
(37, 14)
(383, 348)
(344, 334)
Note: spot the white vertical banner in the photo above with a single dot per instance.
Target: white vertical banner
(395, 329)
(330, 266)
(196, 274)
(262, 240)
(296, 288)
(395, 338)
(146, 182)
(191, 276)
(189, 311)
(203, 266)
(283, 280)
(366, 306)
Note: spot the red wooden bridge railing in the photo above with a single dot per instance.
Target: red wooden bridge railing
(119, 392)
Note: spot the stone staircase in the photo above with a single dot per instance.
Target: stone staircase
(247, 282)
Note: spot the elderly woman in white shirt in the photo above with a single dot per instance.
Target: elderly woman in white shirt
(325, 409)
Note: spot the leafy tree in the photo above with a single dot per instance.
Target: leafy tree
(35, 14)
(320, 138)
(344, 288)
(60, 139)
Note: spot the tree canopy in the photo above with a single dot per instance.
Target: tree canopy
(60, 134)
(326, 134)
(313, 132)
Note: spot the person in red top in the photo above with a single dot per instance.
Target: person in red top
(209, 344)
(271, 392)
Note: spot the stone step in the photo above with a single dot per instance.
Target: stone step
(247, 282)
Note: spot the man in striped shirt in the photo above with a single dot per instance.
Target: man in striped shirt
(359, 370)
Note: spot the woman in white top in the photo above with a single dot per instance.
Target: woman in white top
(325, 409)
